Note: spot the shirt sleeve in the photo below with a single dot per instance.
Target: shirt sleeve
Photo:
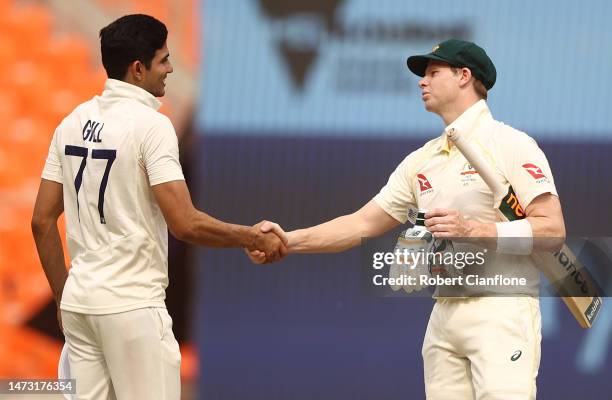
(52, 170)
(160, 154)
(527, 169)
(397, 196)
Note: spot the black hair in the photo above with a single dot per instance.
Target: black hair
(128, 39)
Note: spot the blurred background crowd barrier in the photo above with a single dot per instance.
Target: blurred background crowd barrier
(297, 111)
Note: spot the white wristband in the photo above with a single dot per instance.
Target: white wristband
(514, 237)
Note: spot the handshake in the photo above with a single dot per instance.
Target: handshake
(270, 243)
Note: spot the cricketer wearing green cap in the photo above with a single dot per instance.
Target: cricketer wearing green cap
(479, 345)
(458, 53)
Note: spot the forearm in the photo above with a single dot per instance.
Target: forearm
(544, 222)
(205, 230)
(544, 227)
(548, 234)
(51, 254)
(333, 236)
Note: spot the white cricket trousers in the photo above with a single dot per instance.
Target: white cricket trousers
(485, 348)
(126, 356)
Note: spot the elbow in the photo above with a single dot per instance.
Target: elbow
(182, 231)
(184, 225)
(179, 232)
(360, 230)
(38, 225)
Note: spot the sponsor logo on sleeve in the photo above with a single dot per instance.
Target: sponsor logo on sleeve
(535, 172)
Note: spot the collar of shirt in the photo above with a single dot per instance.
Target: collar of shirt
(466, 123)
(114, 88)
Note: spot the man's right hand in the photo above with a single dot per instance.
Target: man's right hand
(273, 230)
(269, 245)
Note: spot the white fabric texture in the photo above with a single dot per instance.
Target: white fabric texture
(107, 154)
(128, 355)
(484, 348)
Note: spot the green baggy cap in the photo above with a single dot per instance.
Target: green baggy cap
(458, 53)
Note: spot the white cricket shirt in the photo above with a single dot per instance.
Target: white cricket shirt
(107, 154)
(437, 175)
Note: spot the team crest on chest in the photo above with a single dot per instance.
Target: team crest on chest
(468, 174)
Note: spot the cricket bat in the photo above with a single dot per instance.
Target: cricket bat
(565, 272)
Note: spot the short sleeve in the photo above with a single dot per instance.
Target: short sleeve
(527, 169)
(160, 154)
(53, 166)
(397, 196)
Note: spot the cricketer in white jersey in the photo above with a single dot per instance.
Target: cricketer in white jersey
(113, 168)
(483, 347)
(110, 150)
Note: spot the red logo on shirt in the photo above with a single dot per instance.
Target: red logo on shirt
(534, 171)
(423, 182)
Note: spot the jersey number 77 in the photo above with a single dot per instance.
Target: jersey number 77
(96, 154)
